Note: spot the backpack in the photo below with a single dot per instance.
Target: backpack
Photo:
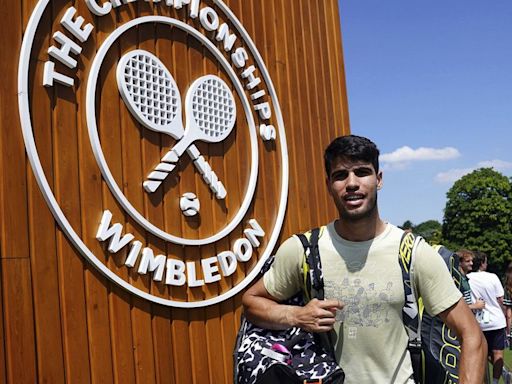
(434, 348)
(292, 355)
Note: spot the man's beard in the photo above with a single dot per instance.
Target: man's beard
(356, 215)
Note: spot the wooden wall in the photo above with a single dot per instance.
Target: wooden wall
(62, 321)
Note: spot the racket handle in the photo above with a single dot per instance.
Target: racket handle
(209, 176)
(168, 163)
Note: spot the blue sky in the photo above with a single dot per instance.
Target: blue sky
(431, 83)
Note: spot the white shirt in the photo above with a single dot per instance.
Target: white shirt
(487, 286)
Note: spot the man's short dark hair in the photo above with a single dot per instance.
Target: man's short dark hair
(354, 148)
(478, 260)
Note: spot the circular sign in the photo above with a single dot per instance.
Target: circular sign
(187, 138)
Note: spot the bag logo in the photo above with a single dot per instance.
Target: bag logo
(165, 139)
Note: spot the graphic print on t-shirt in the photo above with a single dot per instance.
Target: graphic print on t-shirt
(367, 304)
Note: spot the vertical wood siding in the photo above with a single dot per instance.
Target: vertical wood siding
(63, 321)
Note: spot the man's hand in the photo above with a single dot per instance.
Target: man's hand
(317, 315)
(265, 311)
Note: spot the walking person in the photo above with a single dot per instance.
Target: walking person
(359, 262)
(487, 286)
(466, 266)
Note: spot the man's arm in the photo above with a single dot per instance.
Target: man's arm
(473, 345)
(265, 311)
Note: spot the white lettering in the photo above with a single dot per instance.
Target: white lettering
(194, 9)
(50, 75)
(249, 74)
(67, 46)
(239, 57)
(175, 273)
(223, 34)
(118, 3)
(267, 132)
(257, 95)
(134, 254)
(192, 276)
(263, 110)
(243, 250)
(228, 263)
(98, 10)
(253, 234)
(151, 263)
(75, 27)
(178, 4)
(210, 270)
(114, 232)
(209, 19)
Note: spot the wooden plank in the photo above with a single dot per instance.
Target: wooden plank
(19, 320)
(327, 88)
(3, 356)
(312, 133)
(209, 220)
(66, 190)
(96, 285)
(189, 182)
(296, 118)
(133, 173)
(14, 219)
(180, 332)
(99, 198)
(333, 34)
(48, 326)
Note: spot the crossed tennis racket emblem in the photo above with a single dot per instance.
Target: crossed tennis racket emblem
(152, 96)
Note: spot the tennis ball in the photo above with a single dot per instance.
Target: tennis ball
(189, 204)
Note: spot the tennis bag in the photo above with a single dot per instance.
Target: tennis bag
(292, 355)
(434, 348)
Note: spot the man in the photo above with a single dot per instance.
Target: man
(492, 318)
(363, 279)
(466, 266)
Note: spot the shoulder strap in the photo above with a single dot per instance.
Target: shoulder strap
(406, 256)
(312, 266)
(314, 280)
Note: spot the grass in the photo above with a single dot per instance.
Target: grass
(507, 358)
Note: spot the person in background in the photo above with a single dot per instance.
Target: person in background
(507, 300)
(492, 320)
(359, 262)
(466, 266)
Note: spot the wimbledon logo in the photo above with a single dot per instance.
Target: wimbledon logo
(167, 141)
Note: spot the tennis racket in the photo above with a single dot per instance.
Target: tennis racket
(210, 117)
(152, 96)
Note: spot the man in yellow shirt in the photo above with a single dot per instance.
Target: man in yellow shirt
(363, 280)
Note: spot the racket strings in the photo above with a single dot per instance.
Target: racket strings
(151, 89)
(213, 108)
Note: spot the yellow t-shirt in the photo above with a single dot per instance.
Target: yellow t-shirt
(371, 344)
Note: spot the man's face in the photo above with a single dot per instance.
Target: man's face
(353, 186)
(466, 264)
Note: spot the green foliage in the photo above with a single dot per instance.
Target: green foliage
(430, 230)
(478, 215)
(407, 225)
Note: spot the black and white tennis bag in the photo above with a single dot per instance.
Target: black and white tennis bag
(292, 355)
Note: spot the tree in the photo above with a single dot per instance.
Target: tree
(478, 215)
(430, 230)
(407, 225)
